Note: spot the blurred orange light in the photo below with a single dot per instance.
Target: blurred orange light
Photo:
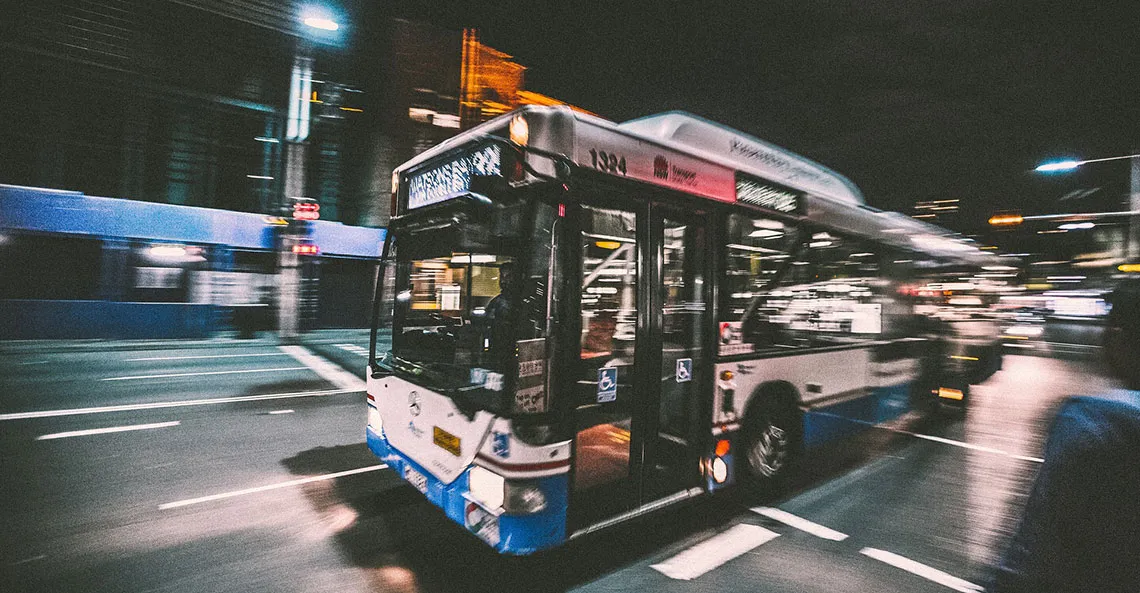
(1128, 267)
(519, 130)
(948, 393)
(607, 244)
(1006, 219)
(722, 447)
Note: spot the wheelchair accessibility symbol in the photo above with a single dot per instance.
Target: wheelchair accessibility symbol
(607, 384)
(684, 370)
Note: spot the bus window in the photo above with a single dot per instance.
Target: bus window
(757, 254)
(829, 296)
(824, 291)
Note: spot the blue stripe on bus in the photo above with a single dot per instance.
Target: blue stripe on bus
(827, 424)
(518, 534)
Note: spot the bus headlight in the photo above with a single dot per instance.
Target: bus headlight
(719, 470)
(523, 498)
(487, 487)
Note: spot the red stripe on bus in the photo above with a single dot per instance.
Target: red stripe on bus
(525, 467)
(371, 397)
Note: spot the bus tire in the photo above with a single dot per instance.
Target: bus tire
(770, 439)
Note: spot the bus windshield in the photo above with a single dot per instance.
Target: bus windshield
(462, 300)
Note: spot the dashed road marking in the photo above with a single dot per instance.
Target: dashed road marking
(800, 523)
(917, 568)
(281, 412)
(110, 429)
(206, 356)
(267, 487)
(172, 404)
(198, 374)
(714, 552)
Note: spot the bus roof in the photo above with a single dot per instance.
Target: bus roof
(687, 153)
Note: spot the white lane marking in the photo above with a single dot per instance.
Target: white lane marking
(962, 444)
(800, 523)
(206, 356)
(91, 431)
(267, 487)
(942, 440)
(27, 560)
(172, 375)
(327, 370)
(927, 572)
(281, 411)
(173, 404)
(974, 447)
(714, 552)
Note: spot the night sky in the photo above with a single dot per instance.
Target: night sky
(913, 100)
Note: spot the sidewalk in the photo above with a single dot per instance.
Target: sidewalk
(220, 340)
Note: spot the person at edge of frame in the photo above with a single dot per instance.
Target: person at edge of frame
(1081, 527)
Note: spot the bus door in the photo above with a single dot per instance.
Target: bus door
(642, 312)
(677, 329)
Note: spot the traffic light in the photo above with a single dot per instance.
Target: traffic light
(306, 210)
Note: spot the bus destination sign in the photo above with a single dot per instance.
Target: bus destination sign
(766, 195)
(444, 181)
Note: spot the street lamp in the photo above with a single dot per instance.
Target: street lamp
(318, 27)
(1069, 165)
(1132, 237)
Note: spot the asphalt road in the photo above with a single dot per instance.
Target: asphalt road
(241, 495)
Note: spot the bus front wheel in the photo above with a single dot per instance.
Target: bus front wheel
(769, 440)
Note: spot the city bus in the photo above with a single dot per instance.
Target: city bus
(592, 321)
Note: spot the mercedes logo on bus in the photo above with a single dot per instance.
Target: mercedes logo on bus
(414, 403)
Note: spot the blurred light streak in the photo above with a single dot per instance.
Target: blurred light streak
(167, 251)
(1058, 166)
(321, 23)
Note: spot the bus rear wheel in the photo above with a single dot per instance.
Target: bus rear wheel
(769, 441)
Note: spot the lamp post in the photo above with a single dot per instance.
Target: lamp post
(316, 25)
(1132, 235)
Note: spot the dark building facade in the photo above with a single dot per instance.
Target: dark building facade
(237, 104)
(185, 102)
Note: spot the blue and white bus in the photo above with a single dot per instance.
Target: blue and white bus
(592, 321)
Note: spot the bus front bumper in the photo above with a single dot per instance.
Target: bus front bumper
(508, 534)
